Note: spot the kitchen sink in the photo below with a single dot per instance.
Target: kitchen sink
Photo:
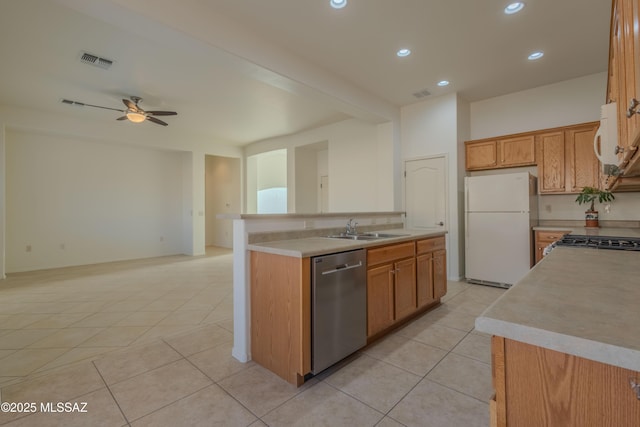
(353, 236)
(365, 236)
(385, 235)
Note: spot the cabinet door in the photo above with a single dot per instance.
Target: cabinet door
(405, 288)
(424, 279)
(544, 239)
(551, 162)
(380, 305)
(520, 151)
(631, 64)
(583, 166)
(439, 274)
(481, 155)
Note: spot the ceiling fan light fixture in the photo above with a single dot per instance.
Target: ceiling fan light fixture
(136, 117)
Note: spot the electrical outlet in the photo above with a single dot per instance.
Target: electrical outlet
(28, 248)
(547, 208)
(62, 246)
(162, 238)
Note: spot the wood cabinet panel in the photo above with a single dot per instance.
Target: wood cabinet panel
(541, 387)
(439, 274)
(583, 166)
(424, 279)
(380, 296)
(543, 239)
(281, 314)
(405, 288)
(551, 162)
(519, 151)
(390, 253)
(481, 155)
(429, 245)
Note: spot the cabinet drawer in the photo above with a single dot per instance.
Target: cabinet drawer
(550, 236)
(390, 253)
(430, 245)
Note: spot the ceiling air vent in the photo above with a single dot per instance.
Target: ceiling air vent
(88, 58)
(422, 93)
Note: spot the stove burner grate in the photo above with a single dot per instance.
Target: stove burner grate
(601, 242)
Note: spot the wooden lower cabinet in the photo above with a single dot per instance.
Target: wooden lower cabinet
(380, 294)
(537, 387)
(281, 314)
(431, 268)
(402, 280)
(405, 288)
(545, 238)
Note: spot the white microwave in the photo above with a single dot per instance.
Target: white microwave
(605, 143)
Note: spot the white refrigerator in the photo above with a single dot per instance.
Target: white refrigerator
(500, 211)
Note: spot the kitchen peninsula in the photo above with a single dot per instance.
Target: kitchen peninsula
(277, 249)
(565, 344)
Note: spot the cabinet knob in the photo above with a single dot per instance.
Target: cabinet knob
(632, 107)
(441, 223)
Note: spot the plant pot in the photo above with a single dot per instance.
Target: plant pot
(591, 219)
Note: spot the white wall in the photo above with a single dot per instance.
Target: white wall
(559, 104)
(306, 180)
(79, 202)
(118, 138)
(355, 165)
(222, 195)
(430, 128)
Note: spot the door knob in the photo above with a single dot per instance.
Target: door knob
(440, 223)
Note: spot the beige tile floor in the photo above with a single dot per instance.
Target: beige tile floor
(148, 343)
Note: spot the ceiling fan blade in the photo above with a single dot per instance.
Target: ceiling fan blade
(163, 113)
(130, 105)
(82, 104)
(122, 118)
(154, 120)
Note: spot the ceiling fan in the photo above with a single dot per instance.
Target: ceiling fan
(133, 112)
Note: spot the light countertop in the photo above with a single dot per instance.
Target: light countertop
(579, 301)
(314, 246)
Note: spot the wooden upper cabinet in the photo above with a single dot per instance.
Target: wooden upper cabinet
(566, 160)
(500, 153)
(583, 167)
(624, 89)
(481, 155)
(551, 162)
(520, 151)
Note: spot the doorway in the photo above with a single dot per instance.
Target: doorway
(425, 193)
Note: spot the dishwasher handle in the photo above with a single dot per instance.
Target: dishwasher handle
(342, 267)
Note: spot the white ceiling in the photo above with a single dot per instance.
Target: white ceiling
(240, 71)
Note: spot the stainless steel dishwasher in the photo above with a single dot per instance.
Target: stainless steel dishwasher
(338, 307)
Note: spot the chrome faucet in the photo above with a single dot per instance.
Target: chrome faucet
(351, 226)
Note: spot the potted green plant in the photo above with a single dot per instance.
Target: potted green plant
(589, 195)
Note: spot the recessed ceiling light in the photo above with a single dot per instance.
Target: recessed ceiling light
(338, 4)
(443, 83)
(535, 55)
(403, 52)
(514, 8)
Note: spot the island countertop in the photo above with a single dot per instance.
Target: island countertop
(580, 301)
(315, 246)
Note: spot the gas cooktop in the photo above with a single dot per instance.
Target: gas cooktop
(601, 242)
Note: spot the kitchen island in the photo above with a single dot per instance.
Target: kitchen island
(566, 342)
(405, 276)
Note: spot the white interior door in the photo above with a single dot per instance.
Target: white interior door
(425, 193)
